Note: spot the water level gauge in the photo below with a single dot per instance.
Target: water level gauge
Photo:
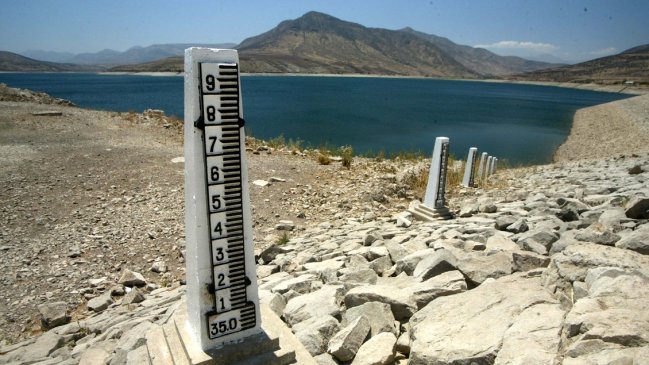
(221, 276)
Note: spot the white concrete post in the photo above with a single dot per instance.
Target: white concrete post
(222, 297)
(481, 167)
(493, 166)
(490, 160)
(436, 187)
(469, 169)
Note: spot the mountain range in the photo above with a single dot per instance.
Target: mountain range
(133, 55)
(630, 65)
(318, 43)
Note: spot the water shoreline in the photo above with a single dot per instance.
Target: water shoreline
(622, 89)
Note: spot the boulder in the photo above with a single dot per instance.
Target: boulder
(367, 276)
(345, 344)
(131, 278)
(159, 267)
(132, 297)
(301, 284)
(504, 221)
(501, 243)
(45, 345)
(99, 353)
(525, 261)
(285, 225)
(100, 303)
(599, 236)
(538, 240)
(325, 359)
(472, 327)
(637, 208)
(324, 266)
(533, 338)
(519, 226)
(612, 219)
(381, 265)
(468, 210)
(447, 283)
(408, 263)
(572, 264)
(134, 337)
(378, 350)
(437, 262)
(614, 312)
(478, 266)
(488, 207)
(400, 302)
(324, 301)
(53, 314)
(637, 240)
(396, 251)
(315, 333)
(379, 315)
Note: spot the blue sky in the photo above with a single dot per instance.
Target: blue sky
(569, 30)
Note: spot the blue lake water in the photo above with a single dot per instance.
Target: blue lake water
(519, 123)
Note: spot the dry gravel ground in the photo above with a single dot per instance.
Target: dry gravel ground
(616, 128)
(87, 194)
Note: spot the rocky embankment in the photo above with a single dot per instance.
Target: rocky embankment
(549, 265)
(619, 127)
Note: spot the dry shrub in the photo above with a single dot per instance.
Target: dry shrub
(347, 154)
(324, 159)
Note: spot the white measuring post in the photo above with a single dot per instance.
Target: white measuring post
(490, 160)
(222, 296)
(481, 167)
(434, 205)
(436, 187)
(469, 169)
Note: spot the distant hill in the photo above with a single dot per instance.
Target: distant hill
(630, 65)
(319, 43)
(133, 55)
(14, 62)
(138, 54)
(169, 64)
(480, 60)
(48, 56)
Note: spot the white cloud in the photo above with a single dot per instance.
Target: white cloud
(520, 46)
(604, 51)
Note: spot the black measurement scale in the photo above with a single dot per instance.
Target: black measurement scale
(222, 127)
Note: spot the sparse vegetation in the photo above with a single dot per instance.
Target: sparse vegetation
(324, 158)
(283, 239)
(347, 153)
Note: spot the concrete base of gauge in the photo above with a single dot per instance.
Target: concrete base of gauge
(171, 344)
(425, 213)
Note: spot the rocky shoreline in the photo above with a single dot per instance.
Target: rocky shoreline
(547, 264)
(615, 128)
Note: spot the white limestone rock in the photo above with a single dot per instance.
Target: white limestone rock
(324, 301)
(637, 240)
(53, 314)
(447, 283)
(437, 262)
(379, 315)
(472, 326)
(378, 350)
(315, 333)
(479, 266)
(131, 278)
(401, 304)
(345, 344)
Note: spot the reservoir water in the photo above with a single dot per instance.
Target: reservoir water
(515, 122)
